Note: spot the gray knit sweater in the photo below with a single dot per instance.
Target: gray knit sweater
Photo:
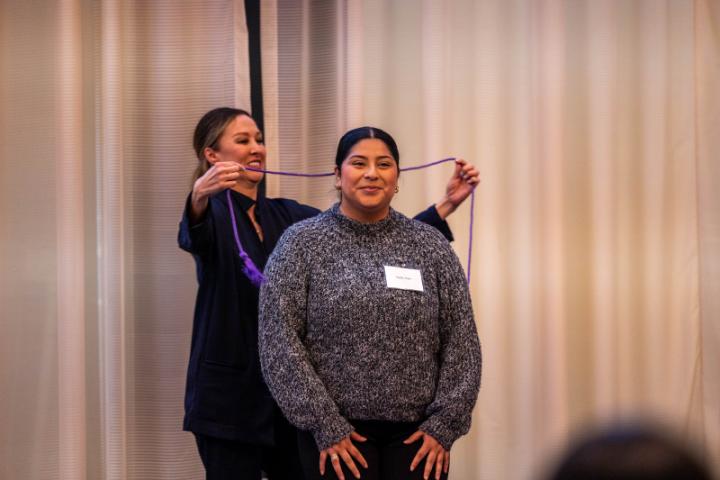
(336, 343)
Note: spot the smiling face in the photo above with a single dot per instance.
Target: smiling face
(241, 142)
(367, 179)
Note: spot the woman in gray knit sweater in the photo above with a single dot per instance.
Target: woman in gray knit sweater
(367, 336)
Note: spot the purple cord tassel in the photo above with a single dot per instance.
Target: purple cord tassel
(249, 269)
(255, 276)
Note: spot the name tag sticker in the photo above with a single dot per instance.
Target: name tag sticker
(403, 278)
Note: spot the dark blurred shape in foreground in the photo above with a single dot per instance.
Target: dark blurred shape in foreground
(630, 452)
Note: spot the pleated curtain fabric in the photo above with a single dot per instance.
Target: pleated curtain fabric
(99, 101)
(596, 241)
(707, 117)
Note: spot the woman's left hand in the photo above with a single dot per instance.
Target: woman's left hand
(463, 181)
(437, 456)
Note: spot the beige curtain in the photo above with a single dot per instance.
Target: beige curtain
(596, 272)
(707, 161)
(597, 240)
(98, 102)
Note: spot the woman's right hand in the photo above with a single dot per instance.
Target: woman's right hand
(220, 176)
(346, 450)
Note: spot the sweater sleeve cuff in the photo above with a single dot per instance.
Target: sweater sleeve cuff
(431, 217)
(434, 427)
(331, 431)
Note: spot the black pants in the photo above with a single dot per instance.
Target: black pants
(234, 460)
(387, 456)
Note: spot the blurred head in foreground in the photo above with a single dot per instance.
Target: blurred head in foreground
(629, 452)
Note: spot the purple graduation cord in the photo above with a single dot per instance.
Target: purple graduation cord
(470, 237)
(315, 175)
(249, 269)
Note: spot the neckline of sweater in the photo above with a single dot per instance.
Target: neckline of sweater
(364, 228)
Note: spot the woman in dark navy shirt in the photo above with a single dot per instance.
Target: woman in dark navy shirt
(238, 427)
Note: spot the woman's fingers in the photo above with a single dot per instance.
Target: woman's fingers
(413, 438)
(447, 462)
(227, 165)
(420, 453)
(357, 455)
(459, 165)
(323, 459)
(419, 456)
(466, 171)
(335, 460)
(229, 170)
(429, 463)
(220, 176)
(470, 174)
(439, 464)
(349, 462)
(348, 451)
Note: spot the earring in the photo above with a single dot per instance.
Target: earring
(397, 189)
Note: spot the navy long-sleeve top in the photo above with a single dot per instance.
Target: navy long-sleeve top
(225, 395)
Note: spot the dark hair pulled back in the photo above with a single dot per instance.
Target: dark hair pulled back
(208, 132)
(353, 136)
